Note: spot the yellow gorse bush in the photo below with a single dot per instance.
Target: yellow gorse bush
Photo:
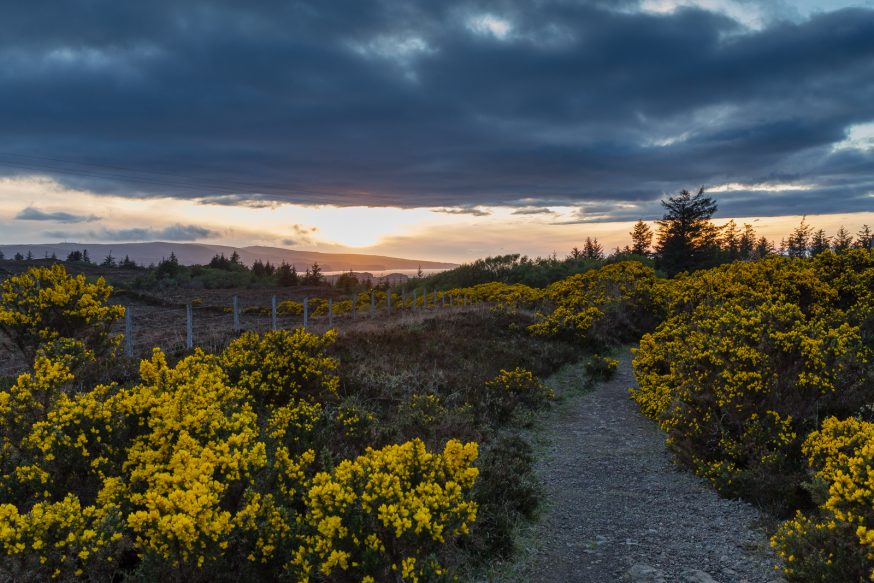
(409, 502)
(615, 303)
(47, 309)
(211, 464)
(748, 358)
(837, 544)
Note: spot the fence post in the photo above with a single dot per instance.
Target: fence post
(388, 300)
(189, 327)
(403, 297)
(355, 306)
(128, 332)
(306, 312)
(425, 299)
(443, 300)
(273, 313)
(236, 314)
(372, 304)
(330, 312)
(434, 303)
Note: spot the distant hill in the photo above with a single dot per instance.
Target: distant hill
(197, 253)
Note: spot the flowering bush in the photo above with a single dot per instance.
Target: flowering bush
(209, 467)
(601, 368)
(750, 357)
(837, 543)
(46, 309)
(386, 513)
(602, 307)
(513, 389)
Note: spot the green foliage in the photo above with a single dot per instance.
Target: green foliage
(46, 310)
(750, 357)
(687, 239)
(603, 307)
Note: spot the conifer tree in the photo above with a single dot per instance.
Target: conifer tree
(842, 240)
(641, 238)
(819, 243)
(686, 238)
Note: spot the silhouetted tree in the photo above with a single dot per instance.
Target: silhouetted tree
(747, 244)
(686, 237)
(798, 244)
(865, 238)
(641, 238)
(576, 253)
(74, 256)
(19, 256)
(108, 261)
(763, 248)
(819, 243)
(842, 240)
(592, 249)
(730, 240)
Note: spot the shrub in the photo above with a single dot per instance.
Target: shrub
(600, 368)
(515, 389)
(837, 543)
(385, 514)
(46, 309)
(603, 307)
(751, 356)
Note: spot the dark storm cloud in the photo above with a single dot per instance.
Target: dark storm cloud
(171, 233)
(34, 214)
(422, 104)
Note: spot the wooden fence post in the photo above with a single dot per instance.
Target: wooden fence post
(372, 304)
(273, 313)
(236, 309)
(388, 300)
(306, 312)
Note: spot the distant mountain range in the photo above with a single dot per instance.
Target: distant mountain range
(197, 253)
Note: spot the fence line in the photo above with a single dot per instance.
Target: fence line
(213, 328)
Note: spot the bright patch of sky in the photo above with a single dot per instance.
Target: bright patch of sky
(491, 25)
(754, 14)
(859, 137)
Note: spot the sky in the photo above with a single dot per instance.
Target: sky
(437, 130)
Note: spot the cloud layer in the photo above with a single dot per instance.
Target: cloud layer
(458, 104)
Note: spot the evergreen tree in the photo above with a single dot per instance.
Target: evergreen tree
(730, 240)
(686, 236)
(235, 258)
(29, 256)
(576, 253)
(747, 243)
(109, 261)
(85, 258)
(763, 248)
(19, 256)
(641, 238)
(842, 240)
(819, 243)
(798, 244)
(74, 256)
(865, 238)
(592, 249)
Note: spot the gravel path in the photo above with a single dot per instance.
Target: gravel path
(616, 503)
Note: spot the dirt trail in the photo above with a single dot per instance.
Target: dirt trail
(614, 500)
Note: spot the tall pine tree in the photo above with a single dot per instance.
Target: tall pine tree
(687, 238)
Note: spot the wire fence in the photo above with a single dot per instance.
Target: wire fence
(212, 327)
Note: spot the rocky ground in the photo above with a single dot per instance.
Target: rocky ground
(617, 509)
